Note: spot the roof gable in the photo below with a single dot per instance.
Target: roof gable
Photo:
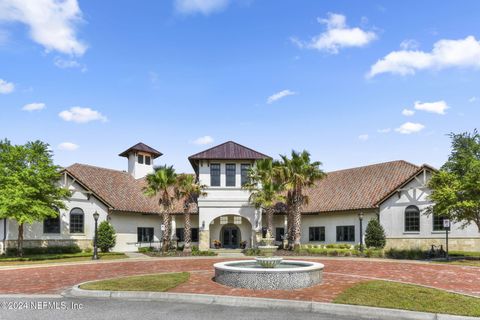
(358, 188)
(119, 189)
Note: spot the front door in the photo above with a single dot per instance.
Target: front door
(231, 237)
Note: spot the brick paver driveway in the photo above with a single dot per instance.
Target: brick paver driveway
(339, 274)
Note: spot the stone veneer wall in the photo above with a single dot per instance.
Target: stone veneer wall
(204, 240)
(460, 244)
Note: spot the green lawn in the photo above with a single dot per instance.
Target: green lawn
(470, 263)
(56, 258)
(394, 295)
(154, 282)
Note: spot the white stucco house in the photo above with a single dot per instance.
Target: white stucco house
(395, 192)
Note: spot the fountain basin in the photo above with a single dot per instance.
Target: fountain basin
(287, 275)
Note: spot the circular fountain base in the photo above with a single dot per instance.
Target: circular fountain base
(289, 274)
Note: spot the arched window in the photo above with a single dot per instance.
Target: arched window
(52, 224)
(412, 219)
(76, 220)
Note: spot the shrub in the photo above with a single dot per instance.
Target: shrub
(145, 249)
(251, 252)
(412, 254)
(338, 246)
(375, 235)
(203, 253)
(45, 250)
(88, 250)
(106, 236)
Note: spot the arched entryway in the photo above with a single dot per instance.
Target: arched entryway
(230, 236)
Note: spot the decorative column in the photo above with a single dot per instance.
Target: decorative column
(173, 229)
(285, 230)
(203, 236)
(257, 229)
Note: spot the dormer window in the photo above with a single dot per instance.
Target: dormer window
(140, 158)
(148, 160)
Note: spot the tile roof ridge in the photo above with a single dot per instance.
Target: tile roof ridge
(97, 167)
(375, 164)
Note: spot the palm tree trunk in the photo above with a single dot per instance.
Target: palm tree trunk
(297, 223)
(187, 233)
(20, 240)
(269, 215)
(166, 232)
(290, 227)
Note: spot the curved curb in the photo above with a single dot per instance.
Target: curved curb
(359, 312)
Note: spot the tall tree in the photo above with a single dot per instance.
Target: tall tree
(29, 189)
(161, 184)
(456, 186)
(265, 189)
(298, 173)
(188, 190)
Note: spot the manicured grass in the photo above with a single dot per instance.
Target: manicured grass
(394, 295)
(56, 258)
(153, 282)
(470, 263)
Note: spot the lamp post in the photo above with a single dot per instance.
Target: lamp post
(360, 217)
(95, 248)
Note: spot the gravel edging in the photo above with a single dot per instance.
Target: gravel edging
(360, 312)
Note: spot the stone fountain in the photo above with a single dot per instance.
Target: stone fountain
(267, 250)
(268, 272)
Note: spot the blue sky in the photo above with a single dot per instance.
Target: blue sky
(353, 84)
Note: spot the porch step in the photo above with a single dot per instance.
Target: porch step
(227, 250)
(228, 253)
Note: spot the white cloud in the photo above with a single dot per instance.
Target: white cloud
(338, 35)
(385, 130)
(6, 87)
(410, 127)
(462, 53)
(438, 107)
(69, 64)
(363, 137)
(203, 140)
(280, 95)
(408, 112)
(472, 99)
(36, 106)
(67, 146)
(81, 115)
(200, 6)
(52, 23)
(409, 44)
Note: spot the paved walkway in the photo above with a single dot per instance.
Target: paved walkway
(339, 274)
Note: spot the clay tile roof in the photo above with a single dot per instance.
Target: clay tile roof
(358, 188)
(228, 151)
(350, 189)
(118, 189)
(142, 148)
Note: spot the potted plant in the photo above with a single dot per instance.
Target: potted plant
(217, 244)
(243, 244)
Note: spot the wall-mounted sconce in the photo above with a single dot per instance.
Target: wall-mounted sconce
(203, 225)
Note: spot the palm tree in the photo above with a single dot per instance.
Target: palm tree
(265, 191)
(161, 183)
(188, 189)
(297, 174)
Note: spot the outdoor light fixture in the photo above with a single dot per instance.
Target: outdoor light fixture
(360, 217)
(203, 225)
(95, 249)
